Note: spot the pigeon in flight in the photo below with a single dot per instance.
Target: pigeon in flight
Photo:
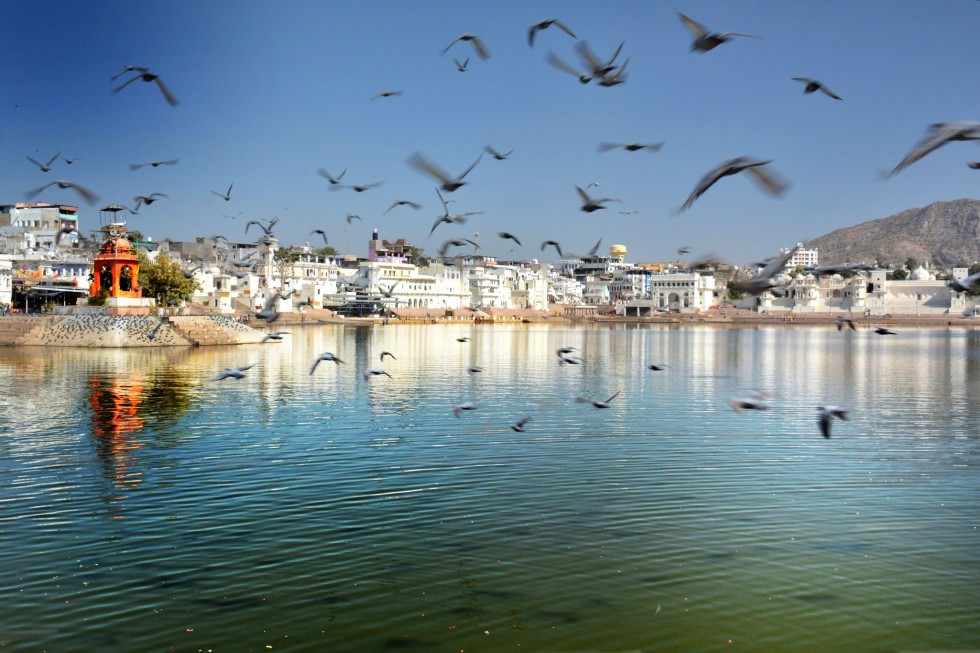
(425, 166)
(974, 165)
(333, 180)
(350, 217)
(233, 372)
(630, 147)
(277, 335)
(590, 204)
(555, 244)
(705, 41)
(368, 373)
(966, 284)
(327, 356)
(940, 134)
(387, 94)
(463, 339)
(545, 24)
(478, 45)
(657, 367)
(227, 196)
(460, 408)
(813, 85)
(827, 413)
(519, 427)
(841, 321)
(414, 205)
(147, 199)
(763, 281)
(555, 61)
(461, 67)
(45, 167)
(145, 75)
(387, 353)
(767, 181)
(155, 164)
(358, 188)
(597, 404)
(497, 155)
(456, 242)
(882, 331)
(267, 228)
(752, 402)
(505, 235)
(83, 192)
(321, 232)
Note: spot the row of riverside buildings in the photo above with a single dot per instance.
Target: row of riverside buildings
(41, 252)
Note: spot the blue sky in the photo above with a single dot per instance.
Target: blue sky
(270, 92)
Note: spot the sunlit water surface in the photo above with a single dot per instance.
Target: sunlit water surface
(144, 508)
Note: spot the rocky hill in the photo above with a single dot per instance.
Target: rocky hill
(943, 233)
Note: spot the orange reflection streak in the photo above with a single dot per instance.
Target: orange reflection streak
(115, 407)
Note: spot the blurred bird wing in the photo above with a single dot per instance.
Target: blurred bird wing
(524, 420)
(422, 164)
(86, 194)
(582, 194)
(168, 96)
(696, 28)
(481, 49)
(825, 423)
(126, 83)
(938, 136)
(555, 61)
(467, 171)
(768, 181)
(612, 397)
(589, 57)
(563, 27)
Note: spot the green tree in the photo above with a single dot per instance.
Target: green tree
(326, 251)
(911, 264)
(284, 260)
(797, 271)
(164, 279)
(734, 294)
(899, 274)
(415, 254)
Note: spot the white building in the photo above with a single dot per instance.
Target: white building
(43, 221)
(808, 258)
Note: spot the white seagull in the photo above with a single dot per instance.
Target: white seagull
(827, 413)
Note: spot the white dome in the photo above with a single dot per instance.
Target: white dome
(921, 274)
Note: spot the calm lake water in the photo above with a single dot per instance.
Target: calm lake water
(145, 508)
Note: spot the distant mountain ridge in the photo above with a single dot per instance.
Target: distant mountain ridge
(942, 233)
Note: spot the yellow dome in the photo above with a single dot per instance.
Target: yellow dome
(617, 250)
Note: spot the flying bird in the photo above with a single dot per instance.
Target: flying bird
(630, 147)
(233, 372)
(155, 164)
(387, 353)
(368, 373)
(474, 369)
(461, 67)
(590, 204)
(505, 235)
(147, 199)
(45, 167)
(333, 180)
(460, 408)
(767, 181)
(83, 192)
(478, 45)
(414, 205)
(938, 135)
(752, 402)
(657, 367)
(71, 161)
(763, 281)
(425, 166)
(841, 321)
(705, 41)
(827, 413)
(274, 336)
(558, 63)
(555, 244)
(127, 69)
(975, 165)
(597, 68)
(597, 404)
(327, 356)
(358, 188)
(681, 251)
(965, 284)
(519, 427)
(463, 339)
(350, 217)
(497, 155)
(457, 242)
(227, 196)
(882, 331)
(813, 85)
(545, 24)
(267, 228)
(145, 75)
(321, 232)
(387, 94)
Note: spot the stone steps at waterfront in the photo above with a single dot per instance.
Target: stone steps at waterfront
(123, 331)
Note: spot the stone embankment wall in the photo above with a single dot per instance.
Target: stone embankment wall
(123, 331)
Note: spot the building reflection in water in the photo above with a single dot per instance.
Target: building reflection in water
(116, 422)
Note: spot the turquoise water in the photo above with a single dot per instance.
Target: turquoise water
(144, 508)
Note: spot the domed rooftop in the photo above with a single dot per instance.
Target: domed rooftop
(921, 274)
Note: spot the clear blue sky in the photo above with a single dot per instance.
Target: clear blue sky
(271, 91)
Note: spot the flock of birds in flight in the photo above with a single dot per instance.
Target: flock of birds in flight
(594, 69)
(567, 356)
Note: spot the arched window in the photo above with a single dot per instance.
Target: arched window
(126, 279)
(105, 278)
